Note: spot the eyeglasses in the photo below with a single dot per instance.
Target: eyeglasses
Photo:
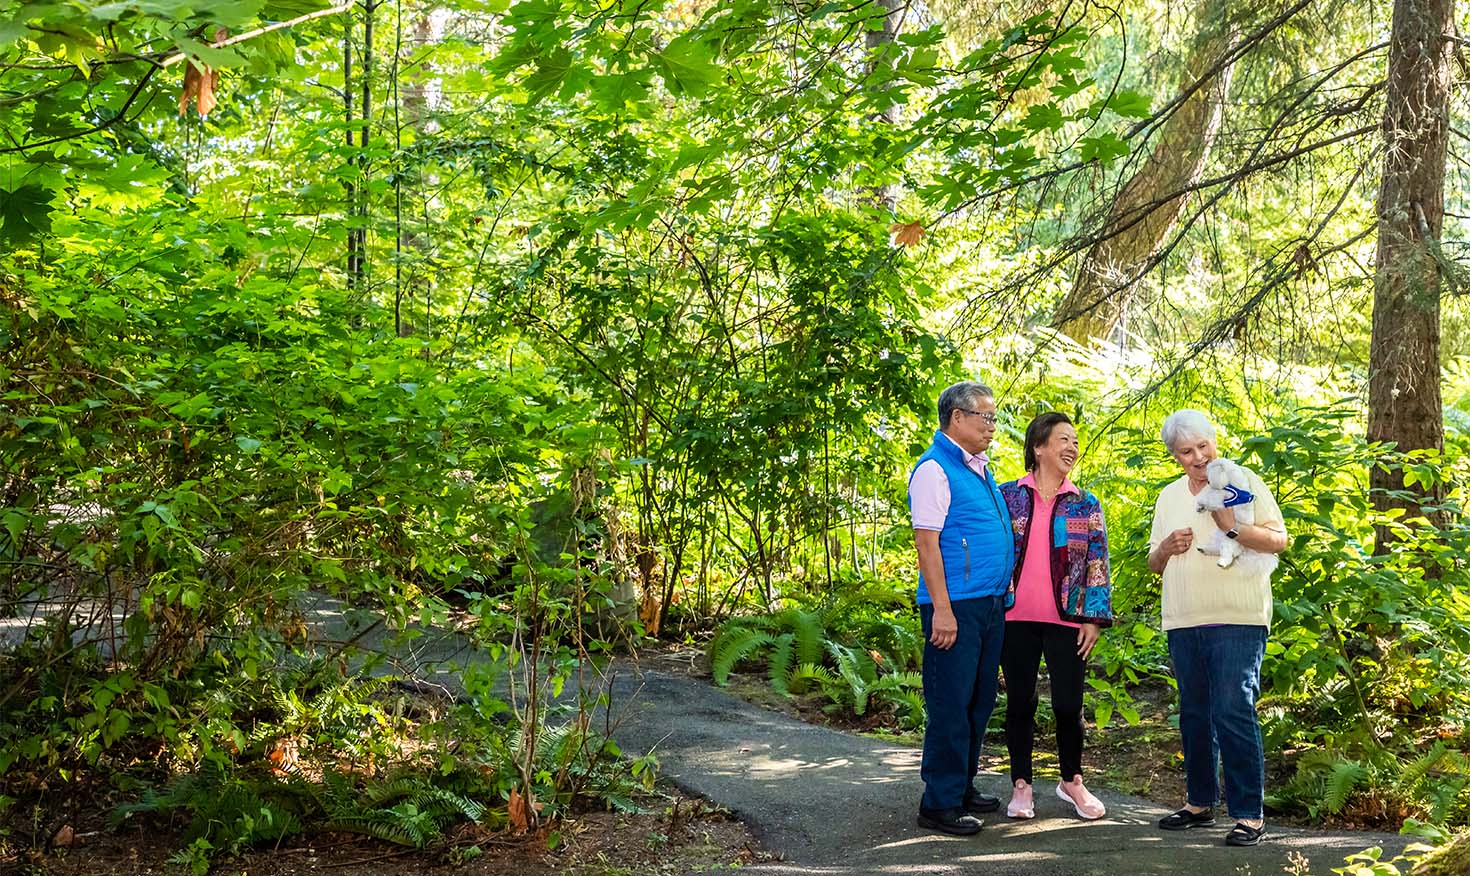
(987, 416)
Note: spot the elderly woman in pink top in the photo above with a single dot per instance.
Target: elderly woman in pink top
(1061, 601)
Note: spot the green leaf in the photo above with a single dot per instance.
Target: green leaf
(248, 445)
(686, 67)
(25, 213)
(1044, 117)
(1104, 148)
(11, 31)
(1130, 104)
(551, 69)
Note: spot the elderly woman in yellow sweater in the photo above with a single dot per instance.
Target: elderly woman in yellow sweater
(1216, 620)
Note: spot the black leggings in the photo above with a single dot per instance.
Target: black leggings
(1025, 643)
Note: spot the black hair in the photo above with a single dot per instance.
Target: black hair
(1039, 432)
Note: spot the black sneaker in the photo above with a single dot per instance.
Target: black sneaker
(1184, 819)
(951, 821)
(977, 803)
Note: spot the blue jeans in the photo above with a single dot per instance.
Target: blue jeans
(960, 685)
(1218, 669)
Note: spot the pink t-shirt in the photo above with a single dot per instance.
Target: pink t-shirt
(1036, 599)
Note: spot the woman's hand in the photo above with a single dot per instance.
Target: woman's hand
(1086, 638)
(1175, 543)
(1225, 519)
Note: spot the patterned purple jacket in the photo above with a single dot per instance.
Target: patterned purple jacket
(1079, 554)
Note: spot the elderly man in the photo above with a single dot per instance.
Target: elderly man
(966, 552)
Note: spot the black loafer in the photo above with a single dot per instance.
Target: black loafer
(951, 821)
(1245, 835)
(1184, 819)
(977, 803)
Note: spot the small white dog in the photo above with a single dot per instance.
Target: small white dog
(1230, 488)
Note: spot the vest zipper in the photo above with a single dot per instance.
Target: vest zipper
(965, 543)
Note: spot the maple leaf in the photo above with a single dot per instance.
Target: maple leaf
(907, 233)
(200, 82)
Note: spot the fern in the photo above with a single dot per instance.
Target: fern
(807, 673)
(779, 667)
(1415, 771)
(380, 825)
(1346, 775)
(810, 632)
(858, 670)
(731, 649)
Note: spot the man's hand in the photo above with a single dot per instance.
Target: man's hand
(1086, 638)
(944, 630)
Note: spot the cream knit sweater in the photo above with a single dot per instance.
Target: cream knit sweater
(1196, 591)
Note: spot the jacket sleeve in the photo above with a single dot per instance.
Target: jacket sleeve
(1099, 599)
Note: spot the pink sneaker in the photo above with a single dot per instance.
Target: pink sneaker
(1021, 805)
(1076, 793)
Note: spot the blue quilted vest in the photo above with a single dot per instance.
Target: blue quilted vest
(976, 543)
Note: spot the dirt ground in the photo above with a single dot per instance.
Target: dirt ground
(683, 835)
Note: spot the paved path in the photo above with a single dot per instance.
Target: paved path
(835, 803)
(830, 802)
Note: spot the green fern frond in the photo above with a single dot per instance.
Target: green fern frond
(858, 670)
(1317, 761)
(908, 706)
(379, 826)
(389, 792)
(441, 804)
(803, 675)
(1414, 772)
(809, 630)
(734, 648)
(898, 681)
(1345, 777)
(622, 803)
(779, 666)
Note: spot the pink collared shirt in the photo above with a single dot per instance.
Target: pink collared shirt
(929, 488)
(1036, 598)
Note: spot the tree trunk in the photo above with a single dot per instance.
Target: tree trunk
(1403, 378)
(349, 186)
(886, 196)
(1138, 222)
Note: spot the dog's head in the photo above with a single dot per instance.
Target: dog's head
(1223, 472)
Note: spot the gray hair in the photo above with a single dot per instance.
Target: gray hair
(1185, 424)
(965, 394)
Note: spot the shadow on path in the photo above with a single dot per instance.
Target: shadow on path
(830, 802)
(835, 803)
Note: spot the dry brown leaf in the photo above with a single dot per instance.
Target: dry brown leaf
(648, 611)
(200, 82)
(907, 233)
(282, 756)
(199, 85)
(65, 838)
(520, 814)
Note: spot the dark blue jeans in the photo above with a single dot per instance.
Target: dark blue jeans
(959, 693)
(1218, 669)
